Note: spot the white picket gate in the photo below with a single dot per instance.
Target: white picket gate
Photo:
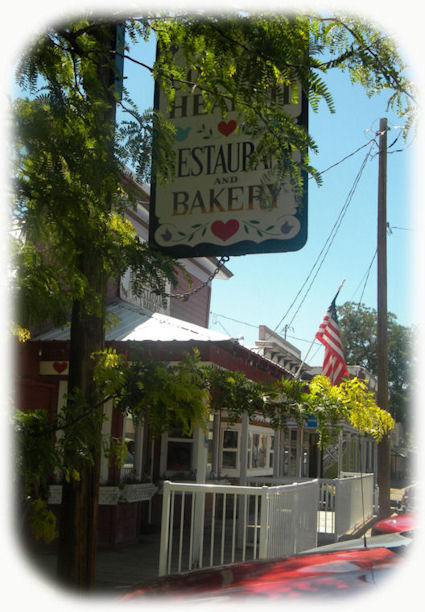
(205, 525)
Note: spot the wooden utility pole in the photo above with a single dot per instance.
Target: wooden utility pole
(382, 324)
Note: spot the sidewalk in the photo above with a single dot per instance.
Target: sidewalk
(117, 569)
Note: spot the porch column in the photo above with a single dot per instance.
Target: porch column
(363, 454)
(138, 450)
(375, 462)
(319, 453)
(243, 458)
(215, 446)
(200, 448)
(370, 456)
(300, 451)
(340, 451)
(243, 469)
(348, 454)
(356, 453)
(200, 442)
(278, 453)
(163, 454)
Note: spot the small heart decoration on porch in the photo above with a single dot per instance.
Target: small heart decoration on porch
(226, 127)
(60, 366)
(224, 231)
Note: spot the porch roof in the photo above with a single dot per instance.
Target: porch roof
(128, 322)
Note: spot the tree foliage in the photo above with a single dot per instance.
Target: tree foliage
(63, 209)
(358, 325)
(245, 62)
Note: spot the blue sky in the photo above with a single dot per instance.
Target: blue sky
(263, 287)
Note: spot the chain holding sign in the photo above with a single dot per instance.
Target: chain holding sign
(219, 203)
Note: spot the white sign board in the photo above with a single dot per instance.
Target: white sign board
(217, 204)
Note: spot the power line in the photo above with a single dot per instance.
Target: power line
(366, 277)
(216, 322)
(326, 247)
(234, 320)
(328, 243)
(346, 157)
(406, 229)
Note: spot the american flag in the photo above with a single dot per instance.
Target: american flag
(334, 366)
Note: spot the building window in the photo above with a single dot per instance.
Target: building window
(179, 451)
(130, 442)
(259, 450)
(230, 449)
(133, 438)
(271, 451)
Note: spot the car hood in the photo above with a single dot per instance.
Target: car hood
(326, 574)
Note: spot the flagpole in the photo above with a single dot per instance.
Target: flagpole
(340, 287)
(305, 358)
(314, 339)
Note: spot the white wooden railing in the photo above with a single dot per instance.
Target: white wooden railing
(354, 502)
(344, 502)
(205, 525)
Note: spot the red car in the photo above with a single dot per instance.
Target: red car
(399, 523)
(328, 574)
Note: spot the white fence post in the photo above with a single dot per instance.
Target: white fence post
(165, 528)
(198, 528)
(264, 523)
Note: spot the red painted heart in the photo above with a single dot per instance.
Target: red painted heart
(226, 128)
(224, 231)
(60, 366)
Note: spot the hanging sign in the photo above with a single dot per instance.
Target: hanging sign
(217, 204)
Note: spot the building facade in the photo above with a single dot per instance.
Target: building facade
(146, 327)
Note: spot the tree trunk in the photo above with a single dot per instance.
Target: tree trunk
(78, 520)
